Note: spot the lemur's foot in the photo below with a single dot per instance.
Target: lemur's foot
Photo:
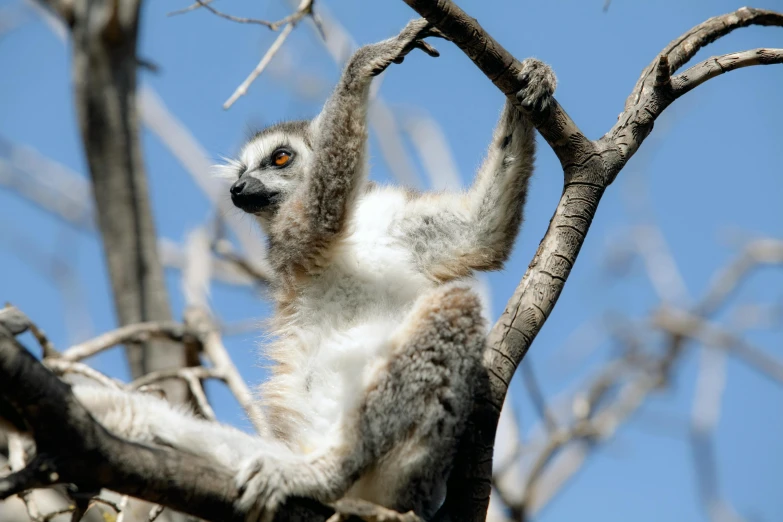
(539, 85)
(262, 487)
(394, 50)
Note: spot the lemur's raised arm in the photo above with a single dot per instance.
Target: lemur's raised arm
(334, 171)
(376, 343)
(455, 234)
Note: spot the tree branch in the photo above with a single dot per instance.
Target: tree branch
(718, 65)
(589, 167)
(104, 71)
(81, 452)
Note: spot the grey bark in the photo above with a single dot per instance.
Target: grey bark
(105, 34)
(589, 167)
(80, 451)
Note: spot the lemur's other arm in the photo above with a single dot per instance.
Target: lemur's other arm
(455, 234)
(308, 223)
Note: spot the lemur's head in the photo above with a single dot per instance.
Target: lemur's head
(270, 167)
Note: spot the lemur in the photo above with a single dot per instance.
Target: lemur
(377, 338)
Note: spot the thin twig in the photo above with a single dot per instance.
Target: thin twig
(196, 372)
(259, 274)
(126, 334)
(63, 367)
(270, 53)
(238, 19)
(191, 7)
(536, 396)
(681, 323)
(213, 347)
(305, 9)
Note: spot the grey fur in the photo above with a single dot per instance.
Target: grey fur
(404, 410)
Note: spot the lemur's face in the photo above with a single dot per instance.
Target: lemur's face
(270, 167)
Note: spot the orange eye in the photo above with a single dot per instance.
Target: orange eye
(280, 158)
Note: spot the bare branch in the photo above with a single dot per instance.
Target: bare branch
(48, 184)
(105, 66)
(191, 7)
(305, 9)
(17, 322)
(155, 513)
(684, 324)
(197, 391)
(536, 396)
(133, 333)
(259, 274)
(648, 100)
(717, 65)
(755, 254)
(200, 321)
(61, 367)
(85, 451)
(705, 413)
(238, 19)
(80, 451)
(197, 372)
(589, 167)
(270, 53)
(682, 49)
(660, 265)
(223, 270)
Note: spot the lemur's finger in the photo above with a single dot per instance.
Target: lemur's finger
(437, 33)
(427, 48)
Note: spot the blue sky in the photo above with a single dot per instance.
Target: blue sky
(711, 171)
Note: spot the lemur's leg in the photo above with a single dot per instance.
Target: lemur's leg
(146, 419)
(308, 222)
(404, 434)
(455, 234)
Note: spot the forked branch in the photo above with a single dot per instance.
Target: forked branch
(589, 167)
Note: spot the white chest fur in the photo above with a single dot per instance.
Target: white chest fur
(346, 317)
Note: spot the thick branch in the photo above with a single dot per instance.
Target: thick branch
(81, 452)
(502, 69)
(132, 333)
(104, 71)
(589, 167)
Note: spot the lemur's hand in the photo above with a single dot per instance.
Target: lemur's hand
(394, 50)
(539, 85)
(412, 37)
